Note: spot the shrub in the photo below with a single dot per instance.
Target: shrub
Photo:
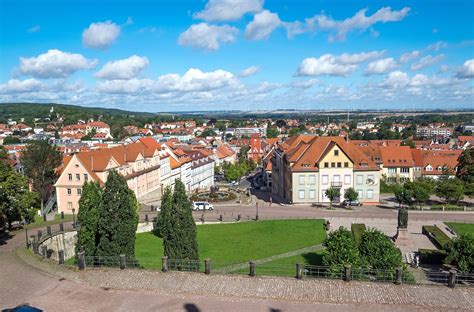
(439, 238)
(461, 252)
(378, 251)
(357, 230)
(432, 256)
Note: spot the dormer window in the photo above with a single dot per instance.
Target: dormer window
(336, 152)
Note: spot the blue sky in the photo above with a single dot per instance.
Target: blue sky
(238, 54)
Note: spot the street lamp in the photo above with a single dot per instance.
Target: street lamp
(73, 217)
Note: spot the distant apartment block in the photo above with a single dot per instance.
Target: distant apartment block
(249, 131)
(431, 132)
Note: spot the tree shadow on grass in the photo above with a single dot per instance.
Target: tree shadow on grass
(313, 258)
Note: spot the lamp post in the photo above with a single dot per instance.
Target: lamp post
(73, 217)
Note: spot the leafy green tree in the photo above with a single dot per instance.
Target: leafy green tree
(465, 168)
(272, 133)
(403, 194)
(280, 123)
(332, 193)
(421, 193)
(40, 160)
(351, 194)
(378, 251)
(461, 252)
(451, 190)
(341, 249)
(177, 225)
(11, 140)
(90, 205)
(118, 218)
(294, 131)
(207, 133)
(243, 153)
(17, 203)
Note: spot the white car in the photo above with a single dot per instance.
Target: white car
(197, 206)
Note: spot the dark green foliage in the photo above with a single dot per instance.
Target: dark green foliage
(378, 251)
(272, 132)
(452, 190)
(461, 252)
(341, 249)
(465, 168)
(118, 219)
(357, 230)
(351, 194)
(40, 160)
(177, 225)
(332, 193)
(207, 133)
(432, 256)
(439, 238)
(90, 205)
(11, 140)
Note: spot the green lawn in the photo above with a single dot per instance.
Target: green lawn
(461, 228)
(239, 242)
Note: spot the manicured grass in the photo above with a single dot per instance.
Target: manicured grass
(461, 228)
(233, 243)
(439, 238)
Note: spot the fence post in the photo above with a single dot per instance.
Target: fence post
(39, 234)
(238, 217)
(81, 260)
(207, 266)
(61, 227)
(122, 261)
(299, 271)
(164, 264)
(61, 256)
(452, 279)
(31, 241)
(62, 215)
(253, 267)
(347, 272)
(398, 276)
(220, 218)
(48, 230)
(44, 251)
(146, 218)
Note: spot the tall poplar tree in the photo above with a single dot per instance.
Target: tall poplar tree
(118, 219)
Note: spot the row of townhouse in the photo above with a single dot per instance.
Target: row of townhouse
(304, 167)
(148, 167)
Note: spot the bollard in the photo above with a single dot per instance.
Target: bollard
(220, 218)
(122, 261)
(347, 272)
(61, 256)
(35, 247)
(299, 271)
(207, 266)
(39, 234)
(44, 251)
(81, 260)
(452, 279)
(253, 268)
(239, 217)
(398, 276)
(27, 241)
(164, 264)
(31, 240)
(61, 227)
(146, 218)
(62, 215)
(48, 230)
(44, 217)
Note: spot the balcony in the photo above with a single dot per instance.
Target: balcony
(336, 184)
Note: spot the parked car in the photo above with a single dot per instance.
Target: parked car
(351, 203)
(201, 206)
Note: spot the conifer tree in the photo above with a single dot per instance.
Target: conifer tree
(118, 219)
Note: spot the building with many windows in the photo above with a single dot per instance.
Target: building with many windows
(304, 167)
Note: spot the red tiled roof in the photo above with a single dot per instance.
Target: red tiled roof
(399, 156)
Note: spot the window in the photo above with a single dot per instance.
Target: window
(336, 178)
(339, 165)
(346, 164)
(360, 179)
(404, 170)
(301, 194)
(370, 194)
(347, 179)
(301, 180)
(325, 179)
(79, 191)
(69, 205)
(336, 152)
(333, 165)
(69, 176)
(69, 192)
(360, 194)
(86, 177)
(78, 177)
(326, 165)
(312, 194)
(312, 179)
(392, 170)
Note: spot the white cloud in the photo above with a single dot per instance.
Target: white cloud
(262, 25)
(381, 66)
(427, 61)
(437, 46)
(329, 64)
(207, 37)
(228, 10)
(304, 84)
(294, 28)
(406, 57)
(100, 35)
(54, 64)
(467, 69)
(252, 70)
(396, 79)
(123, 69)
(34, 29)
(360, 21)
(20, 86)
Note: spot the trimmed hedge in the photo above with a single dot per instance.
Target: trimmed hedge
(432, 256)
(439, 238)
(357, 230)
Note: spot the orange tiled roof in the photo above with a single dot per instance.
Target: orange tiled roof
(448, 161)
(399, 156)
(224, 151)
